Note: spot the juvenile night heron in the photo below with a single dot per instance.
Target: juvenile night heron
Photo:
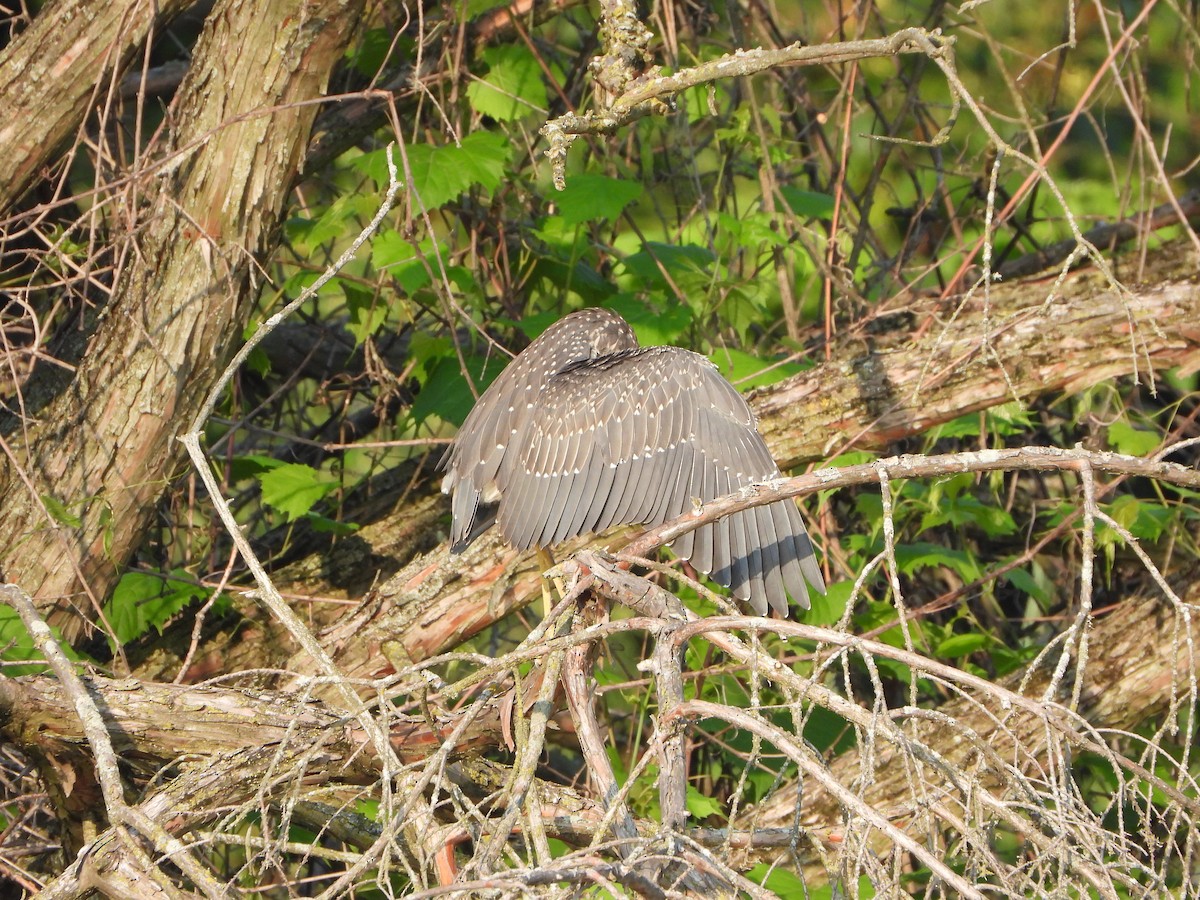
(585, 430)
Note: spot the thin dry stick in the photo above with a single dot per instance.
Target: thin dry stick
(527, 763)
(666, 665)
(119, 812)
(1066, 723)
(268, 593)
(805, 760)
(652, 94)
(1036, 458)
(581, 701)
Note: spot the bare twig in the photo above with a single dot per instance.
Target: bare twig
(119, 812)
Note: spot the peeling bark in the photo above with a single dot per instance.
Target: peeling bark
(55, 71)
(105, 449)
(903, 371)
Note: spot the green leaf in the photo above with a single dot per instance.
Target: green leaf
(252, 464)
(475, 8)
(577, 276)
(308, 234)
(747, 371)
(677, 259)
(513, 86)
(294, 489)
(445, 392)
(700, 806)
(923, 555)
(124, 610)
(751, 229)
(372, 51)
(17, 643)
(868, 506)
(59, 512)
(961, 645)
(1124, 438)
(828, 608)
(590, 197)
(1145, 520)
(743, 310)
(533, 325)
(960, 511)
(368, 809)
(409, 265)
(1009, 418)
(654, 324)
(324, 525)
(808, 203)
(787, 885)
(374, 166)
(293, 287)
(367, 311)
(826, 730)
(389, 248)
(259, 362)
(1025, 582)
(440, 174)
(963, 426)
(142, 601)
(852, 458)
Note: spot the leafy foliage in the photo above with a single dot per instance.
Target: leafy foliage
(143, 601)
(765, 214)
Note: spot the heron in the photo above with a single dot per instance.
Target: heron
(585, 430)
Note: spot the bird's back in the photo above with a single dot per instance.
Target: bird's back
(585, 430)
(483, 445)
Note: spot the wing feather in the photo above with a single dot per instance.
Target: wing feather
(659, 489)
(511, 515)
(487, 441)
(731, 541)
(619, 510)
(560, 475)
(785, 529)
(549, 512)
(629, 504)
(604, 502)
(634, 436)
(677, 468)
(629, 510)
(575, 503)
(805, 553)
(710, 556)
(687, 547)
(677, 473)
(529, 486)
(592, 520)
(574, 482)
(768, 544)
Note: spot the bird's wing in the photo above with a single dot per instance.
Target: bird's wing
(640, 437)
(482, 446)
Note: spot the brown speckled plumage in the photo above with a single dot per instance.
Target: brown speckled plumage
(585, 430)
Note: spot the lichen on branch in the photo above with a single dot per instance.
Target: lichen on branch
(627, 92)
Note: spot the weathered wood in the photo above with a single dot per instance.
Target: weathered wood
(57, 70)
(1138, 664)
(903, 371)
(106, 448)
(244, 735)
